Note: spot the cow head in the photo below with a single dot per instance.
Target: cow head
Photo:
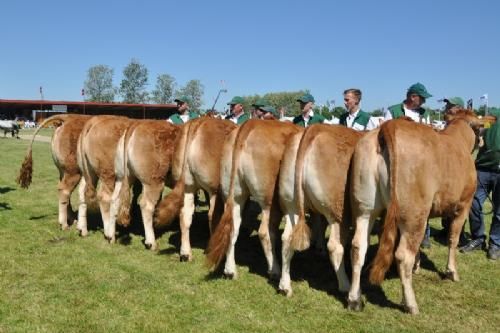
(470, 118)
(467, 115)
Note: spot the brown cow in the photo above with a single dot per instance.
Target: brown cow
(96, 155)
(144, 154)
(414, 173)
(195, 165)
(64, 146)
(313, 176)
(250, 166)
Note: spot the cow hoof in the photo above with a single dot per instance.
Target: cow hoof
(148, 246)
(356, 305)
(110, 240)
(83, 233)
(64, 227)
(230, 276)
(285, 292)
(184, 258)
(453, 276)
(413, 310)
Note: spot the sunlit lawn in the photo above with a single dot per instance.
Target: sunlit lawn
(56, 281)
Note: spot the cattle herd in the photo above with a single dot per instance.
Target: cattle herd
(403, 170)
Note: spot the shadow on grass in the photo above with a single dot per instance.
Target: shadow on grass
(40, 217)
(5, 206)
(6, 189)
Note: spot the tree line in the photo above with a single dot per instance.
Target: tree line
(98, 86)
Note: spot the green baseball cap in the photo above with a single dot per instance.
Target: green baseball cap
(455, 101)
(183, 99)
(236, 100)
(419, 89)
(260, 102)
(268, 108)
(306, 98)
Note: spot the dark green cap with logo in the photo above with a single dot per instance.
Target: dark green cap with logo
(419, 89)
(268, 108)
(236, 100)
(455, 101)
(306, 98)
(183, 99)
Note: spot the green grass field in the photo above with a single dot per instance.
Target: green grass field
(56, 281)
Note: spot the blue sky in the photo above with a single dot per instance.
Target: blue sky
(381, 47)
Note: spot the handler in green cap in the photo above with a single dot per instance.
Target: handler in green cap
(261, 102)
(453, 104)
(237, 114)
(307, 117)
(183, 113)
(267, 112)
(412, 105)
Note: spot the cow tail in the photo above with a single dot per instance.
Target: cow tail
(123, 216)
(170, 207)
(26, 172)
(385, 253)
(90, 190)
(221, 237)
(301, 235)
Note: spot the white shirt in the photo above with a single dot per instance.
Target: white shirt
(184, 117)
(357, 127)
(414, 115)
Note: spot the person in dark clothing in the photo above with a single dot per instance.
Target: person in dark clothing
(488, 181)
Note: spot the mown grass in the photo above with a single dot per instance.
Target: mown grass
(56, 281)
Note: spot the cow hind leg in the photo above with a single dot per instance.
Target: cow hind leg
(287, 252)
(336, 252)
(361, 240)
(64, 190)
(186, 219)
(405, 258)
(237, 211)
(104, 195)
(453, 238)
(268, 231)
(150, 196)
(82, 207)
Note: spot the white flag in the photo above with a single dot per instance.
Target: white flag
(485, 96)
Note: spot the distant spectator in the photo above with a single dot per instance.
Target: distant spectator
(488, 181)
(307, 117)
(412, 105)
(258, 103)
(267, 112)
(183, 113)
(354, 117)
(237, 113)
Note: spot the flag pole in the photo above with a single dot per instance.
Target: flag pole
(83, 97)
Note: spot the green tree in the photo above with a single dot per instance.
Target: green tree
(194, 89)
(378, 112)
(338, 111)
(286, 99)
(133, 85)
(99, 84)
(164, 91)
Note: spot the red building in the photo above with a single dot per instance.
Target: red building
(38, 110)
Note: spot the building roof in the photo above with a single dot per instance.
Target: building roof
(12, 106)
